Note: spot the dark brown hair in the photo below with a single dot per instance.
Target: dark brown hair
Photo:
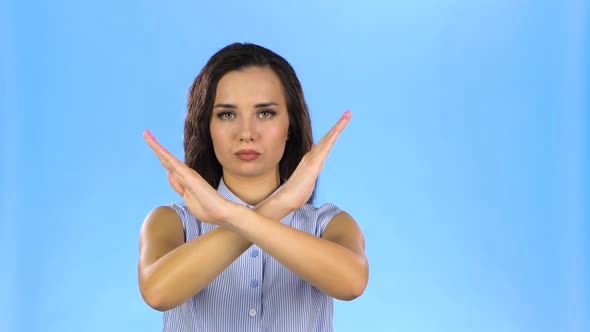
(198, 146)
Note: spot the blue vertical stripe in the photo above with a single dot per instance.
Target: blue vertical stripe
(255, 292)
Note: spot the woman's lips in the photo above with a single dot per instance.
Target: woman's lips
(247, 154)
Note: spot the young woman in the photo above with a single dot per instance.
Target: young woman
(246, 250)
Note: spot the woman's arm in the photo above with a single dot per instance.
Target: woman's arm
(335, 263)
(171, 271)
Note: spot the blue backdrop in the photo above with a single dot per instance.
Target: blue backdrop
(466, 162)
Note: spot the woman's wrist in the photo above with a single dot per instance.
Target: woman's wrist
(275, 207)
(227, 214)
(280, 204)
(235, 214)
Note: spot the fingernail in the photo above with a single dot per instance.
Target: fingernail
(147, 131)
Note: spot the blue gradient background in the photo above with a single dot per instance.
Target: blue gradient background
(466, 162)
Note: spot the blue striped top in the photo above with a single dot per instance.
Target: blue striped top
(255, 292)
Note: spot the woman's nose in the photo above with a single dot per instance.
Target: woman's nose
(247, 130)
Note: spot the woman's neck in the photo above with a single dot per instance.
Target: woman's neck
(252, 190)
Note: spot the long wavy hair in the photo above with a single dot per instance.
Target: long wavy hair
(198, 145)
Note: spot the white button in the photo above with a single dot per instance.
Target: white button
(252, 312)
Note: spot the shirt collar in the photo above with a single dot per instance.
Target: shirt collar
(229, 195)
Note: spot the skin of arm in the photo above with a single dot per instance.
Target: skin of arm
(335, 263)
(171, 271)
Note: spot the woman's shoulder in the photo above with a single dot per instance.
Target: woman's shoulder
(321, 210)
(185, 215)
(180, 208)
(319, 216)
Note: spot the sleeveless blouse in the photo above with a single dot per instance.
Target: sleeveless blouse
(255, 292)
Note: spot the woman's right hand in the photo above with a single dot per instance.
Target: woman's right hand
(203, 201)
(300, 185)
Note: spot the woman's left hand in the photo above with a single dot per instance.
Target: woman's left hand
(202, 200)
(301, 183)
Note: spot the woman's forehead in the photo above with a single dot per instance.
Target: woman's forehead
(252, 85)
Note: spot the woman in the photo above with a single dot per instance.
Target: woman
(253, 254)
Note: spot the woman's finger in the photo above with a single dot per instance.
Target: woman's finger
(160, 150)
(183, 175)
(326, 143)
(156, 147)
(167, 159)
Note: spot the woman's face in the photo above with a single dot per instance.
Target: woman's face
(250, 124)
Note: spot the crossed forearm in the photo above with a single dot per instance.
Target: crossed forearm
(187, 269)
(329, 266)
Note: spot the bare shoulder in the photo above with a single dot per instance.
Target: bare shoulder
(163, 221)
(344, 230)
(161, 232)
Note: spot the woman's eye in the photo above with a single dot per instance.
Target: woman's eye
(225, 115)
(266, 114)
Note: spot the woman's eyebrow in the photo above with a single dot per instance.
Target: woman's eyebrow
(225, 106)
(267, 104)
